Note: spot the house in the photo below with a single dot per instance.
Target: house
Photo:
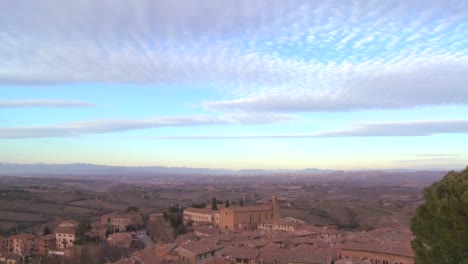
(379, 253)
(199, 252)
(45, 243)
(3, 244)
(120, 222)
(98, 231)
(200, 215)
(240, 255)
(21, 244)
(9, 258)
(123, 240)
(287, 224)
(65, 236)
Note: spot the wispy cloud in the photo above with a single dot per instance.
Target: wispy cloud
(42, 103)
(265, 55)
(434, 155)
(404, 83)
(388, 129)
(112, 126)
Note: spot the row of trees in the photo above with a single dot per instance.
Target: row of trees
(214, 203)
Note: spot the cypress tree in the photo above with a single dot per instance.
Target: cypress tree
(214, 205)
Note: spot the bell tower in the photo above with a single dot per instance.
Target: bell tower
(275, 207)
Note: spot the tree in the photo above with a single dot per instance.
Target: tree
(133, 209)
(46, 231)
(241, 202)
(226, 204)
(214, 205)
(82, 233)
(441, 223)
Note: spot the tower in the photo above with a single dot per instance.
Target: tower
(275, 207)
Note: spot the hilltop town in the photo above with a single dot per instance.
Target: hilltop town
(200, 220)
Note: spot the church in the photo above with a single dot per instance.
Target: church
(236, 218)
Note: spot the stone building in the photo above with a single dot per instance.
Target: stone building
(287, 224)
(3, 244)
(123, 240)
(201, 215)
(400, 253)
(45, 243)
(65, 234)
(19, 244)
(119, 222)
(243, 218)
(199, 252)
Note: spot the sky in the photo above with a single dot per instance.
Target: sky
(235, 84)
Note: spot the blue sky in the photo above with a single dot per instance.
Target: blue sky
(235, 84)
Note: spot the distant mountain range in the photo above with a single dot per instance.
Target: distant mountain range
(90, 169)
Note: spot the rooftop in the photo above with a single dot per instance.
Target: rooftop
(401, 249)
(23, 236)
(199, 210)
(248, 208)
(65, 230)
(200, 247)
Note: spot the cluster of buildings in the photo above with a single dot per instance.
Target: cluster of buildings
(257, 234)
(235, 218)
(253, 234)
(14, 249)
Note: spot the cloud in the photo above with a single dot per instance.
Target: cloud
(112, 126)
(42, 103)
(435, 160)
(395, 129)
(434, 155)
(388, 129)
(406, 83)
(264, 55)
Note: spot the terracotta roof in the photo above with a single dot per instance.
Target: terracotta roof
(200, 247)
(240, 252)
(65, 230)
(352, 261)
(199, 210)
(307, 254)
(204, 230)
(23, 237)
(218, 261)
(68, 223)
(248, 208)
(48, 237)
(401, 249)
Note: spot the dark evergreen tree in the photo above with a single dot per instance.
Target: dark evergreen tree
(226, 204)
(241, 202)
(82, 233)
(441, 223)
(46, 231)
(214, 205)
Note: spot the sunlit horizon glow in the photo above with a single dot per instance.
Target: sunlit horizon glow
(235, 84)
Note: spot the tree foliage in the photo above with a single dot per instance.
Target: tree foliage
(82, 233)
(46, 231)
(441, 223)
(214, 204)
(132, 209)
